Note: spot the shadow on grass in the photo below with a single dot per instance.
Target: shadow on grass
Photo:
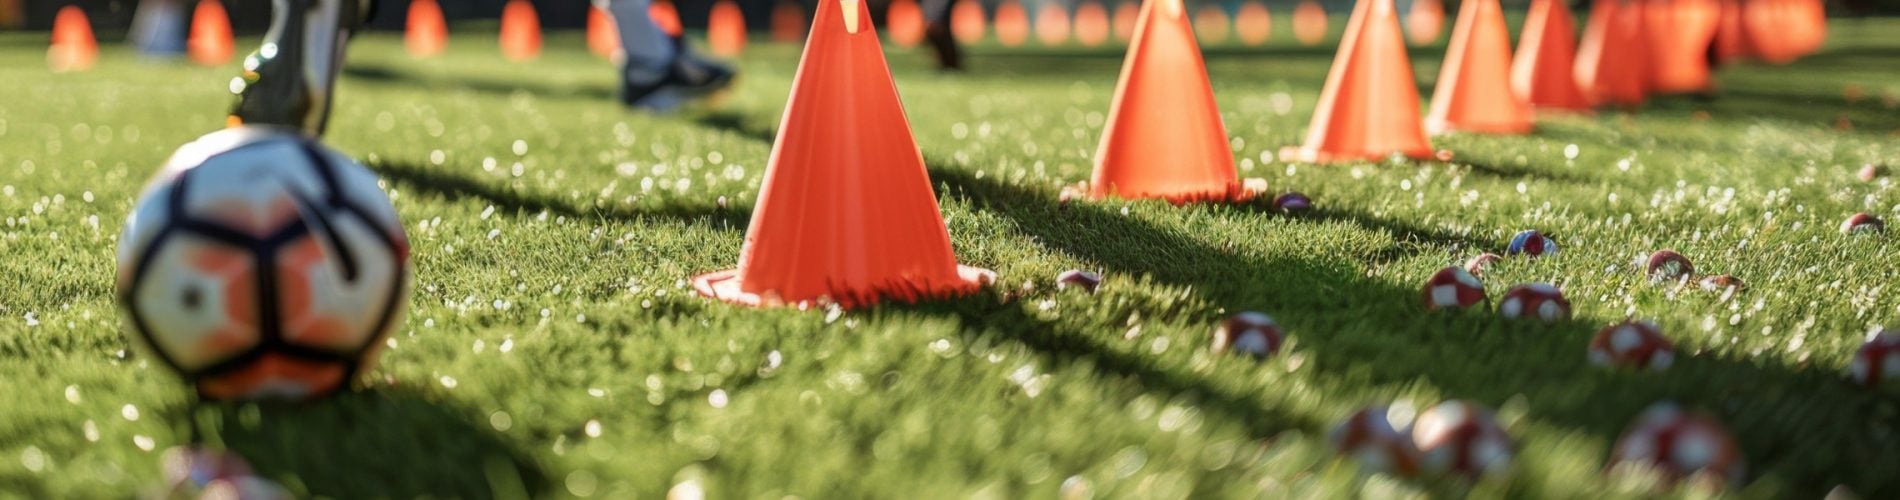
(384, 75)
(443, 183)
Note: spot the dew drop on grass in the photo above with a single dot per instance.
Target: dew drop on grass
(33, 459)
(448, 382)
(592, 428)
(717, 399)
(91, 431)
(72, 394)
(130, 412)
(501, 421)
(144, 442)
(583, 483)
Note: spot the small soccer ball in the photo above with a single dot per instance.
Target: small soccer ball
(1531, 243)
(1678, 445)
(1251, 333)
(1872, 172)
(1632, 344)
(1461, 437)
(1535, 300)
(259, 264)
(1453, 287)
(1369, 438)
(1292, 203)
(1862, 223)
(1078, 278)
(1667, 265)
(1721, 283)
(1877, 360)
(1477, 265)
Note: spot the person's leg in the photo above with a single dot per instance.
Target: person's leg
(660, 72)
(158, 28)
(941, 34)
(290, 80)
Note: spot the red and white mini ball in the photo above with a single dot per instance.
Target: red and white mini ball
(1633, 344)
(1453, 287)
(1862, 223)
(1535, 300)
(1249, 332)
(1678, 444)
(1477, 265)
(1721, 283)
(1078, 278)
(1871, 172)
(1877, 360)
(1667, 265)
(1531, 243)
(1369, 438)
(1461, 437)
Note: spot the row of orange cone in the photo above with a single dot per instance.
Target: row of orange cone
(74, 48)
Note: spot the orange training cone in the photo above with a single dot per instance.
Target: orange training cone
(1679, 53)
(73, 47)
(1780, 31)
(1425, 21)
(1369, 107)
(1091, 24)
(1610, 59)
(725, 29)
(1052, 24)
(788, 22)
(846, 213)
(1124, 20)
(1474, 84)
(1731, 42)
(427, 33)
(1012, 23)
(1543, 72)
(603, 36)
(520, 31)
(210, 41)
(904, 21)
(967, 23)
(1253, 23)
(1164, 137)
(1309, 23)
(666, 17)
(1210, 24)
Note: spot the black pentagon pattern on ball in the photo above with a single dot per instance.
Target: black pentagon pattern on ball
(263, 254)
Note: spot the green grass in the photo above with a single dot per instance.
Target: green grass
(554, 349)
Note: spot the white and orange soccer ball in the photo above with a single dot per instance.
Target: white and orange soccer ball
(1633, 344)
(1678, 445)
(1369, 438)
(1877, 360)
(1535, 300)
(1462, 437)
(1251, 333)
(1453, 288)
(260, 264)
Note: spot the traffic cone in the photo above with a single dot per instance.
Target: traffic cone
(788, 22)
(1425, 21)
(1052, 24)
(725, 29)
(967, 23)
(1164, 137)
(1781, 31)
(846, 214)
(1544, 71)
(1474, 84)
(520, 31)
(1124, 20)
(1211, 24)
(666, 17)
(73, 47)
(603, 35)
(1012, 23)
(1091, 24)
(1309, 23)
(1253, 23)
(1369, 107)
(1611, 62)
(1731, 38)
(427, 33)
(210, 40)
(1679, 54)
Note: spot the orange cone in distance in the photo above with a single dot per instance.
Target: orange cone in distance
(1679, 53)
(846, 213)
(788, 22)
(210, 41)
(666, 17)
(1091, 24)
(1124, 20)
(1211, 24)
(1164, 137)
(1544, 70)
(967, 21)
(1052, 24)
(1474, 84)
(1781, 31)
(1731, 40)
(1309, 23)
(1369, 107)
(520, 31)
(725, 29)
(904, 22)
(1611, 62)
(1012, 23)
(1425, 21)
(427, 33)
(1253, 23)
(73, 47)
(603, 36)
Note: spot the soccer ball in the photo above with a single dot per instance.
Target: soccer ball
(1369, 437)
(1535, 300)
(1634, 344)
(1531, 243)
(259, 264)
(1679, 445)
(1667, 265)
(1452, 288)
(1249, 332)
(1877, 360)
(1462, 437)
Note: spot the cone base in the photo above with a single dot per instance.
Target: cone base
(1304, 154)
(724, 286)
(1236, 193)
(1441, 127)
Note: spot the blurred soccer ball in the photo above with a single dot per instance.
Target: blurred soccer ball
(260, 264)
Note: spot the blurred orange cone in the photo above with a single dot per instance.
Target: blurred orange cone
(846, 213)
(1425, 21)
(210, 41)
(603, 36)
(1679, 54)
(1611, 62)
(1253, 23)
(967, 23)
(1543, 72)
(427, 33)
(1369, 108)
(1052, 24)
(1474, 84)
(73, 47)
(666, 17)
(1731, 40)
(904, 22)
(1211, 24)
(725, 29)
(520, 31)
(1781, 31)
(1309, 23)
(1012, 23)
(1124, 20)
(1091, 24)
(788, 22)
(1164, 137)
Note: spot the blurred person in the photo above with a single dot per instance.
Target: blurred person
(938, 32)
(158, 28)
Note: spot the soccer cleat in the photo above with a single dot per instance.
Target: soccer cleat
(688, 77)
(289, 80)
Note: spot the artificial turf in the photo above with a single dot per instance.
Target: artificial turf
(554, 347)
